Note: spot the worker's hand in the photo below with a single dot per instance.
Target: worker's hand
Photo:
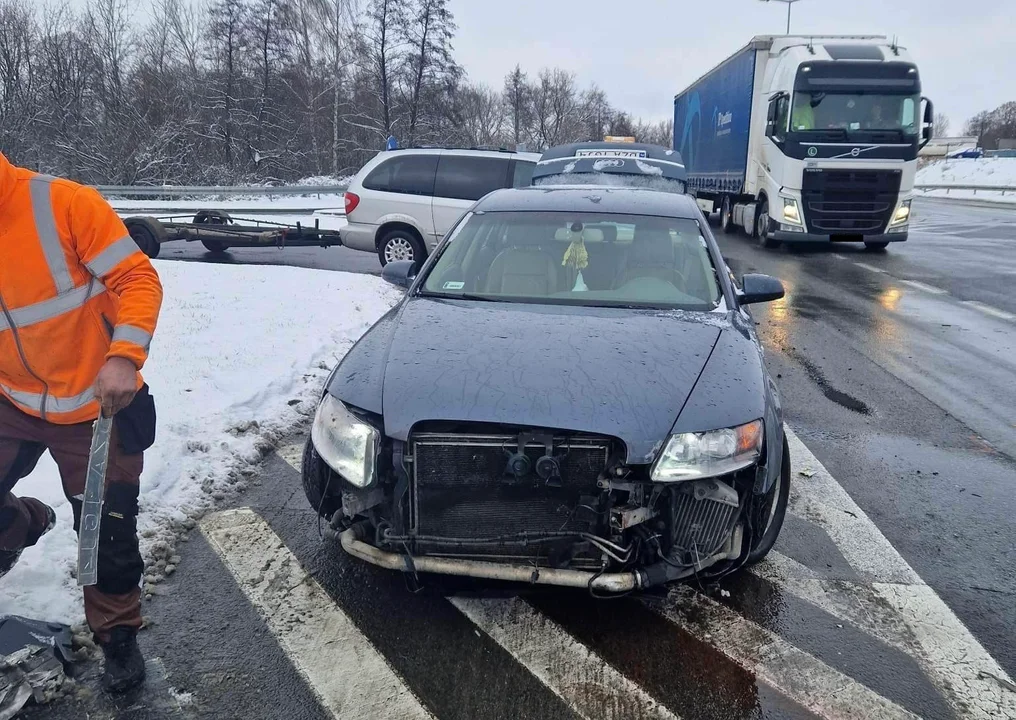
(116, 385)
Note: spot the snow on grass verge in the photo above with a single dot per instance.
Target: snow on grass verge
(238, 359)
(981, 172)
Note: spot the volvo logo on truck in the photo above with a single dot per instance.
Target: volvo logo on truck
(852, 105)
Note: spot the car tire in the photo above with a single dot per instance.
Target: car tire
(214, 246)
(774, 510)
(400, 245)
(315, 476)
(876, 246)
(148, 233)
(727, 216)
(762, 227)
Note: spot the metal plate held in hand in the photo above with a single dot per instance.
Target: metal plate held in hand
(91, 507)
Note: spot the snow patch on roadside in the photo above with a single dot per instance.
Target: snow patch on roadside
(238, 359)
(970, 171)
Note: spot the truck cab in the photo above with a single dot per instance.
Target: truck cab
(830, 141)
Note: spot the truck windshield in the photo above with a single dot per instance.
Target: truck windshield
(855, 111)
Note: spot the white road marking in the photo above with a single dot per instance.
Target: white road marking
(839, 257)
(949, 654)
(580, 677)
(854, 603)
(989, 310)
(345, 671)
(924, 288)
(807, 680)
(293, 455)
(870, 268)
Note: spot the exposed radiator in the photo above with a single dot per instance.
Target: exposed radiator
(705, 512)
(461, 489)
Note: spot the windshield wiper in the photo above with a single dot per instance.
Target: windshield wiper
(466, 296)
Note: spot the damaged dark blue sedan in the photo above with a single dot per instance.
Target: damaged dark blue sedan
(571, 393)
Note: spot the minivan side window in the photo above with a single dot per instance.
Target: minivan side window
(408, 174)
(523, 176)
(462, 177)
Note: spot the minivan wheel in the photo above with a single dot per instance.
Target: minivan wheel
(400, 245)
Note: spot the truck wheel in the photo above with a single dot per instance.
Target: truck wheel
(762, 227)
(774, 511)
(876, 246)
(727, 216)
(148, 233)
(400, 245)
(316, 475)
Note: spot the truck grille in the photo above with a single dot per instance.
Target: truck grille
(461, 490)
(849, 202)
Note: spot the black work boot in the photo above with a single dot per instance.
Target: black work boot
(9, 558)
(125, 667)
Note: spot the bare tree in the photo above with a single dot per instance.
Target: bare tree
(518, 99)
(941, 127)
(429, 59)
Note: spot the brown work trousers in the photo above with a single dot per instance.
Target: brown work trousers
(116, 599)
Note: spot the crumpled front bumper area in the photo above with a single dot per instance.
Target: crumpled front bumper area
(352, 541)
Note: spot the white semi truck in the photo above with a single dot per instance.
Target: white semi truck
(807, 139)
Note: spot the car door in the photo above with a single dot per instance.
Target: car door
(461, 181)
(403, 188)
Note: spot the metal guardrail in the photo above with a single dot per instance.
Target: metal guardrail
(1003, 189)
(178, 191)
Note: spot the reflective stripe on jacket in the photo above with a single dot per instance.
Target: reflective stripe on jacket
(75, 289)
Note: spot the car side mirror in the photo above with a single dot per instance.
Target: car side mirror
(757, 288)
(399, 272)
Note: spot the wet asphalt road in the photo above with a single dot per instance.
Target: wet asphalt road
(896, 372)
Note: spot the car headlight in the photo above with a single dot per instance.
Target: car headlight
(791, 213)
(690, 456)
(902, 213)
(347, 444)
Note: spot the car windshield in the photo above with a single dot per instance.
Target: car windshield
(851, 112)
(577, 258)
(648, 182)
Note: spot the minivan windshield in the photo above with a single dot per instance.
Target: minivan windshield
(577, 258)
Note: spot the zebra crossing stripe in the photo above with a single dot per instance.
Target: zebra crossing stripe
(580, 677)
(808, 681)
(970, 680)
(346, 672)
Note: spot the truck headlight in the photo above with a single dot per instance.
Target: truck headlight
(902, 213)
(791, 213)
(347, 444)
(689, 456)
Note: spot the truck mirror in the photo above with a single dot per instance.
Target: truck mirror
(928, 126)
(771, 118)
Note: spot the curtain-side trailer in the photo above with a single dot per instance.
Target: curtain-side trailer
(807, 139)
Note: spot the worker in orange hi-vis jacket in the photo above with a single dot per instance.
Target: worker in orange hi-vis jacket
(79, 304)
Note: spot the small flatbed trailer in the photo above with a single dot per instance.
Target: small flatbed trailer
(217, 231)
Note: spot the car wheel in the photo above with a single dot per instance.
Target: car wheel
(214, 246)
(316, 476)
(774, 510)
(148, 233)
(762, 227)
(213, 217)
(400, 245)
(727, 216)
(876, 246)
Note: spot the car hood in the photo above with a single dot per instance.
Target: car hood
(617, 372)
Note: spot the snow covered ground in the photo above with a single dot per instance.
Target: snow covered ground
(238, 358)
(971, 171)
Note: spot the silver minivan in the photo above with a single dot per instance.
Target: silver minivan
(403, 202)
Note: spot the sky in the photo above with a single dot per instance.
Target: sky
(643, 52)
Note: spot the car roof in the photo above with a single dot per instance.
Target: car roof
(589, 198)
(611, 158)
(471, 152)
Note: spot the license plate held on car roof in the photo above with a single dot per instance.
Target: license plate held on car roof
(610, 153)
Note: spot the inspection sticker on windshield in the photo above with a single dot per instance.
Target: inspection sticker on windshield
(611, 153)
(451, 285)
